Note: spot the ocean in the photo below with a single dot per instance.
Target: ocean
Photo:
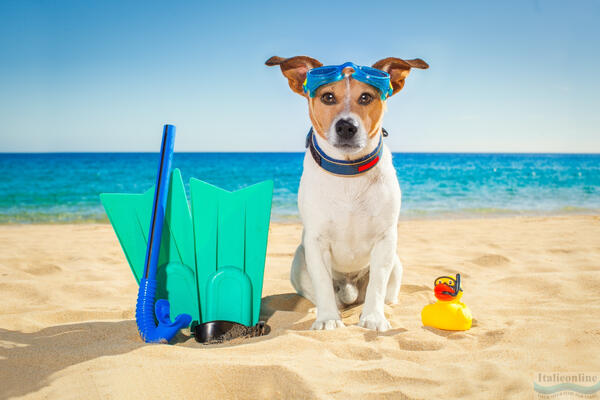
(64, 187)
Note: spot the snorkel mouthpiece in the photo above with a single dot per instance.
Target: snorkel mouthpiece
(320, 76)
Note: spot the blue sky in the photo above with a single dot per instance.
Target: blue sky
(516, 76)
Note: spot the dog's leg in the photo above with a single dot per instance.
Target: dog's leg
(318, 264)
(382, 262)
(362, 284)
(299, 275)
(393, 286)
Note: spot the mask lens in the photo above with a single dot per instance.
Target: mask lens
(450, 282)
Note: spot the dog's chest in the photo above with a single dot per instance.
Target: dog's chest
(349, 214)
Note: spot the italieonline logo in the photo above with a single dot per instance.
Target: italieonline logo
(566, 385)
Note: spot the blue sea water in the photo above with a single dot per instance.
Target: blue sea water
(57, 187)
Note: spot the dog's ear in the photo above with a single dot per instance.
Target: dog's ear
(294, 69)
(399, 69)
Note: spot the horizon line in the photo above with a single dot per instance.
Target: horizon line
(298, 152)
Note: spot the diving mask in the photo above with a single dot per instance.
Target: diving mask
(443, 283)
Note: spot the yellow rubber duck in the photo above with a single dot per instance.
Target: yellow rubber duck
(448, 313)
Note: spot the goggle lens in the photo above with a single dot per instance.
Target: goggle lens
(322, 71)
(375, 72)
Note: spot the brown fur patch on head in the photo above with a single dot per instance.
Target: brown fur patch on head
(294, 69)
(399, 70)
(370, 114)
(347, 93)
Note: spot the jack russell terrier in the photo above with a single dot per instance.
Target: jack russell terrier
(349, 195)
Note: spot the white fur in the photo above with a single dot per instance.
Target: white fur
(350, 233)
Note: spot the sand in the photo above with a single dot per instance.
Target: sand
(67, 326)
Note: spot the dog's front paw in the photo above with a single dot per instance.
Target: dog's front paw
(327, 325)
(374, 321)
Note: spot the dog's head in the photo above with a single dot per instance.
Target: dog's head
(347, 113)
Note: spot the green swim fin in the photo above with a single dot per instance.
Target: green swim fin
(129, 215)
(230, 232)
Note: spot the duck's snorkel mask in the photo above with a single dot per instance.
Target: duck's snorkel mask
(320, 76)
(447, 288)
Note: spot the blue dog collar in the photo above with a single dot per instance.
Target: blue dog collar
(320, 76)
(343, 167)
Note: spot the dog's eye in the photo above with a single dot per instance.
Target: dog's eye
(328, 98)
(365, 99)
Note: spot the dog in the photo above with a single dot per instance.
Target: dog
(349, 196)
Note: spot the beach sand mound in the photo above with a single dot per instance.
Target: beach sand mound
(67, 326)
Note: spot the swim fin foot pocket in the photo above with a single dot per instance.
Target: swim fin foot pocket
(221, 331)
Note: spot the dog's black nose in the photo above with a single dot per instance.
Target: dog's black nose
(346, 128)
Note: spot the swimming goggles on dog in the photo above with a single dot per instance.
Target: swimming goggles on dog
(320, 76)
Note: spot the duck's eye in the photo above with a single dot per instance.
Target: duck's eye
(328, 98)
(450, 283)
(439, 282)
(365, 99)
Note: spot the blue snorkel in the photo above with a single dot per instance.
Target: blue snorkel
(145, 308)
(320, 76)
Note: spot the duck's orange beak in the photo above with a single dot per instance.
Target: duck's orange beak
(443, 292)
